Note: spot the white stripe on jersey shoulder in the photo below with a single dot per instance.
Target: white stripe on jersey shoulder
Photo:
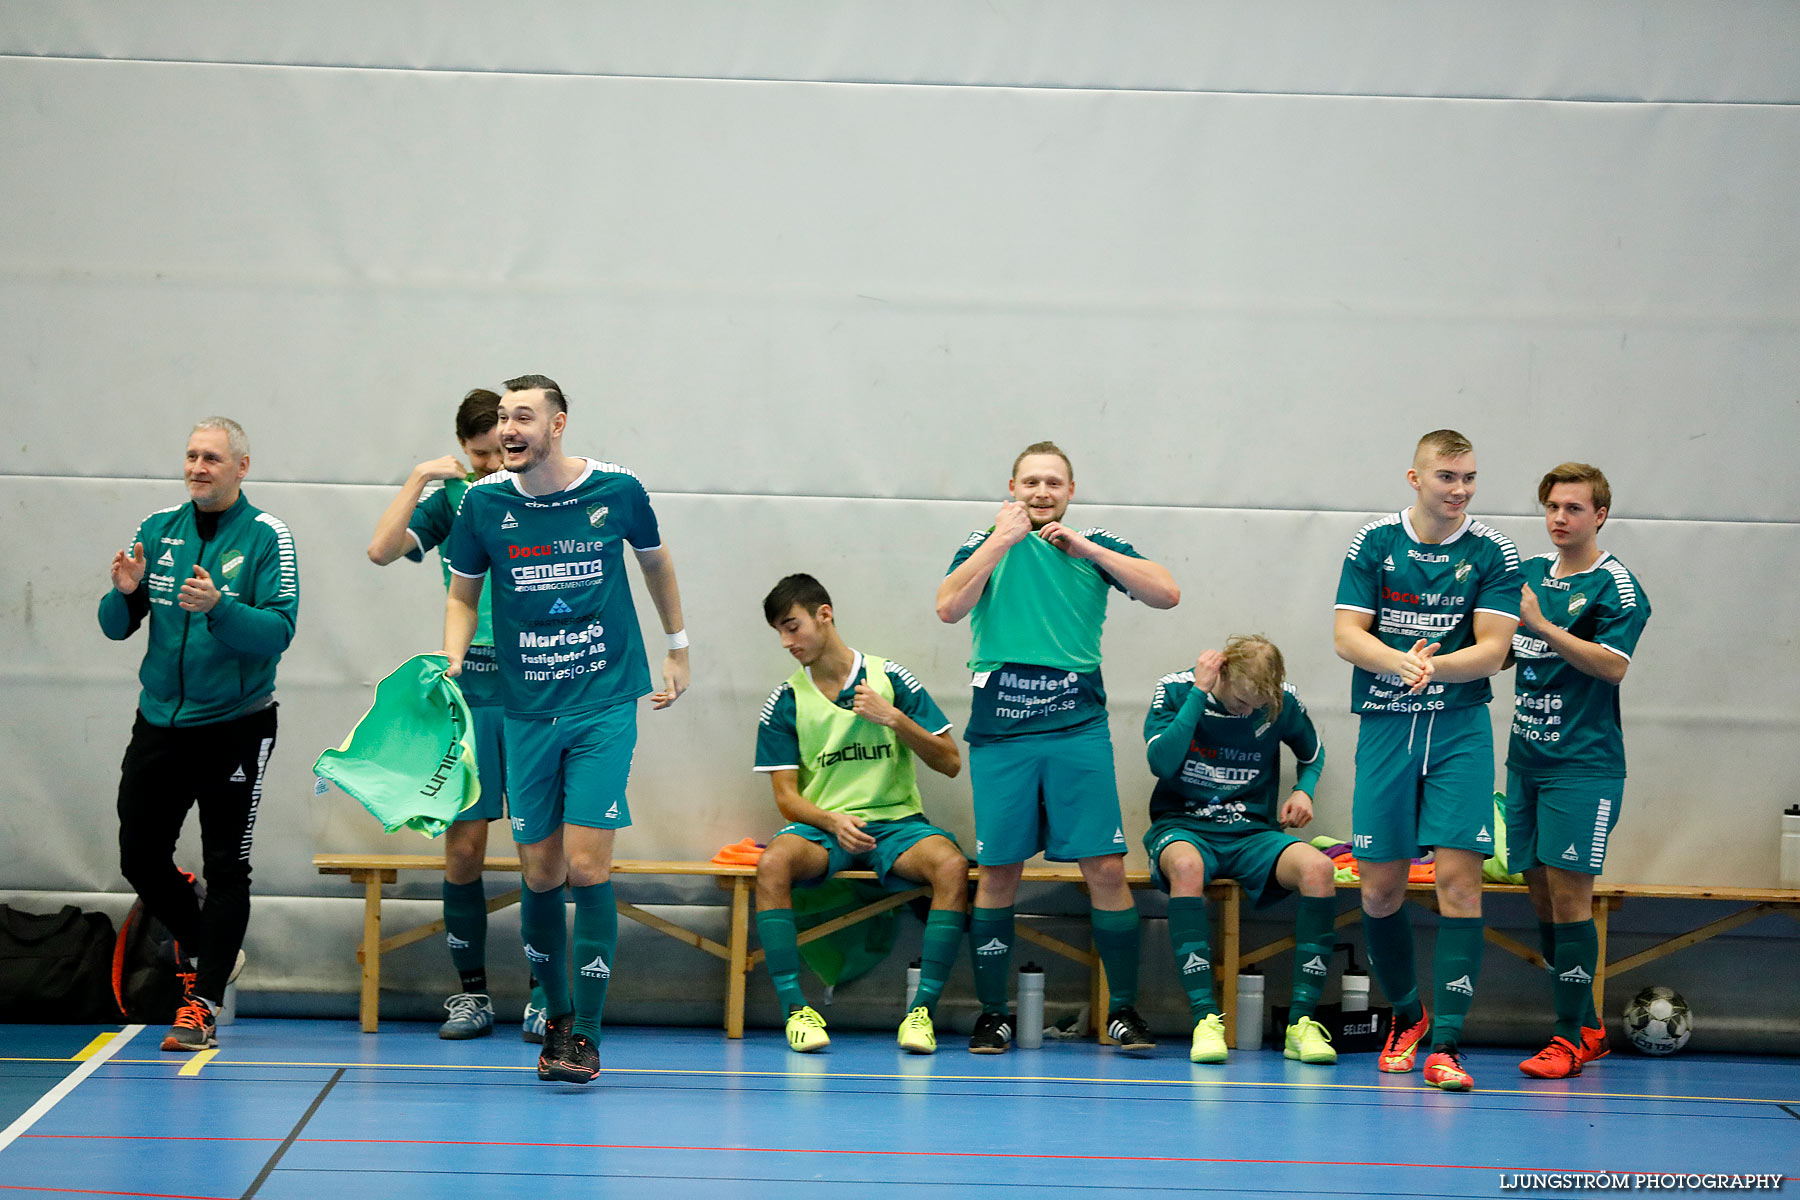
(978, 537)
(1357, 541)
(161, 512)
(768, 708)
(431, 489)
(1290, 689)
(1162, 684)
(1091, 530)
(1508, 550)
(1622, 580)
(612, 468)
(907, 677)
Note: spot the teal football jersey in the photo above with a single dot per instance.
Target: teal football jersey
(565, 629)
(1221, 769)
(1564, 721)
(1415, 590)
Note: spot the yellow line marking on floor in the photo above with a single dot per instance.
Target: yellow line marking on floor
(92, 1048)
(198, 1061)
(703, 1073)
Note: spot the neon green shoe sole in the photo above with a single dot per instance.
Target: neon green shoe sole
(806, 1031)
(1308, 1041)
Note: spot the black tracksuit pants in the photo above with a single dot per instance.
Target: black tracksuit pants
(167, 770)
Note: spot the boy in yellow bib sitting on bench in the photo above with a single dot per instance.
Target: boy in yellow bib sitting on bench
(837, 740)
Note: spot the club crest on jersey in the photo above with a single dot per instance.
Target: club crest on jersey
(509, 522)
(1462, 571)
(597, 515)
(559, 609)
(231, 562)
(1577, 602)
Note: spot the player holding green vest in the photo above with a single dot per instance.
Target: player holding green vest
(415, 521)
(1213, 739)
(837, 740)
(1040, 755)
(1427, 602)
(1580, 616)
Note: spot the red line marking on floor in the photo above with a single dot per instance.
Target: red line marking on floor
(23, 1187)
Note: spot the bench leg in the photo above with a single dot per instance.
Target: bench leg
(737, 970)
(1602, 906)
(370, 1007)
(1099, 995)
(1229, 951)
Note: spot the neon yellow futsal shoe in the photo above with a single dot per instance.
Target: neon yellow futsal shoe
(1308, 1041)
(1209, 1040)
(917, 1034)
(806, 1031)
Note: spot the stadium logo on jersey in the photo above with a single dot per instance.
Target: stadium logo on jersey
(597, 515)
(1419, 556)
(509, 522)
(1462, 984)
(993, 946)
(230, 562)
(854, 752)
(1485, 836)
(1316, 966)
(1194, 963)
(597, 969)
(560, 609)
(237, 776)
(167, 560)
(1389, 564)
(454, 942)
(1462, 571)
(1570, 855)
(1577, 602)
(535, 955)
(1576, 975)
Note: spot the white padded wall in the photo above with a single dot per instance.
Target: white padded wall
(817, 272)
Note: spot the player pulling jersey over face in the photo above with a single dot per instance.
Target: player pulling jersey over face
(1581, 615)
(1040, 755)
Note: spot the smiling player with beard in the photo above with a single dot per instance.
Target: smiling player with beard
(550, 531)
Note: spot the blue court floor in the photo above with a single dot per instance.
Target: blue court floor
(314, 1110)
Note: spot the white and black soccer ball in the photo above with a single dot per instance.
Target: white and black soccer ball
(1658, 1021)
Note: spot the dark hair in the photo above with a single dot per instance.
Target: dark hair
(552, 390)
(1575, 472)
(478, 413)
(803, 590)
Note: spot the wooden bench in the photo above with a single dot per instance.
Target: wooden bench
(373, 871)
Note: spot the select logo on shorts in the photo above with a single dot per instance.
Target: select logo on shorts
(1119, 836)
(231, 562)
(1485, 836)
(535, 955)
(1194, 963)
(993, 946)
(1570, 855)
(1315, 967)
(238, 775)
(613, 811)
(597, 969)
(1462, 984)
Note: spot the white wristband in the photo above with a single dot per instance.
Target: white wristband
(677, 640)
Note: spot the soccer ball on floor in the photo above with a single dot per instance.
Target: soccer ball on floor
(1658, 1021)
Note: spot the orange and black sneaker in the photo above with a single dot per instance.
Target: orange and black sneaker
(1403, 1044)
(1561, 1059)
(194, 1027)
(557, 1031)
(1444, 1069)
(1592, 1046)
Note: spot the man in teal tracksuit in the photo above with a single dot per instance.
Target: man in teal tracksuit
(218, 580)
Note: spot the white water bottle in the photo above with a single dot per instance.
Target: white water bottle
(1031, 1007)
(1250, 1010)
(1356, 993)
(1790, 846)
(912, 985)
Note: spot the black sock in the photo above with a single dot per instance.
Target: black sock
(474, 981)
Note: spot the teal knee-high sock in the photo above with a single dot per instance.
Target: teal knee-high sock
(465, 932)
(1389, 941)
(1314, 940)
(1189, 936)
(1116, 940)
(990, 949)
(775, 926)
(1577, 957)
(943, 934)
(596, 938)
(541, 925)
(1455, 968)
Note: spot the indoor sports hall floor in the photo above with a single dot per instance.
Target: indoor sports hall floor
(317, 1110)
